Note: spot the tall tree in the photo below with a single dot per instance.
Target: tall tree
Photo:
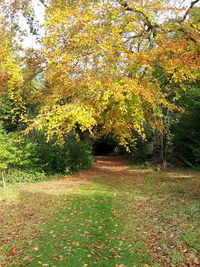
(99, 64)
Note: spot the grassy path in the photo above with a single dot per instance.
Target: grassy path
(112, 215)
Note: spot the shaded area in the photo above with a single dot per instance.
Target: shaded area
(104, 145)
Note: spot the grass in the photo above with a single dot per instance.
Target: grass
(87, 232)
(111, 216)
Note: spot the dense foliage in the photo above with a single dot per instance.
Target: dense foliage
(179, 142)
(51, 157)
(32, 157)
(97, 63)
(101, 62)
(187, 130)
(100, 68)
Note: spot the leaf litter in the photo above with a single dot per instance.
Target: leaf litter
(112, 215)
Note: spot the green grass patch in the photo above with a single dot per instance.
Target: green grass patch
(88, 230)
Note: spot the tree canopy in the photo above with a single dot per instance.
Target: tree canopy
(104, 67)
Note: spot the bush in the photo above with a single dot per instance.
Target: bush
(9, 151)
(12, 168)
(30, 158)
(20, 176)
(50, 157)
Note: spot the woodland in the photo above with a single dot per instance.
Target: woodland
(99, 109)
(105, 73)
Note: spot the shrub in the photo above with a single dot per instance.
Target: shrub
(50, 157)
(16, 175)
(9, 151)
(30, 158)
(12, 164)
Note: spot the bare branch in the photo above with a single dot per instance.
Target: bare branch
(44, 3)
(189, 9)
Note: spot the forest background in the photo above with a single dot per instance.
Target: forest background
(120, 75)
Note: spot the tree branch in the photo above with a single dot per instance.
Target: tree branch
(43, 3)
(33, 75)
(188, 10)
(149, 23)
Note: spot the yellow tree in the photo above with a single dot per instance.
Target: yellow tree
(105, 61)
(18, 64)
(10, 66)
(10, 74)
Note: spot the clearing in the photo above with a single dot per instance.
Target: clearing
(113, 215)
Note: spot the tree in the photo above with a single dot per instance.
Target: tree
(99, 60)
(18, 64)
(187, 130)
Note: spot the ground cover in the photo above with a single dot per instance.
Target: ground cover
(112, 215)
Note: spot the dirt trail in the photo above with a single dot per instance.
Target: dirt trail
(104, 166)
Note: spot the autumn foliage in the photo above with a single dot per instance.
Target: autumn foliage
(104, 66)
